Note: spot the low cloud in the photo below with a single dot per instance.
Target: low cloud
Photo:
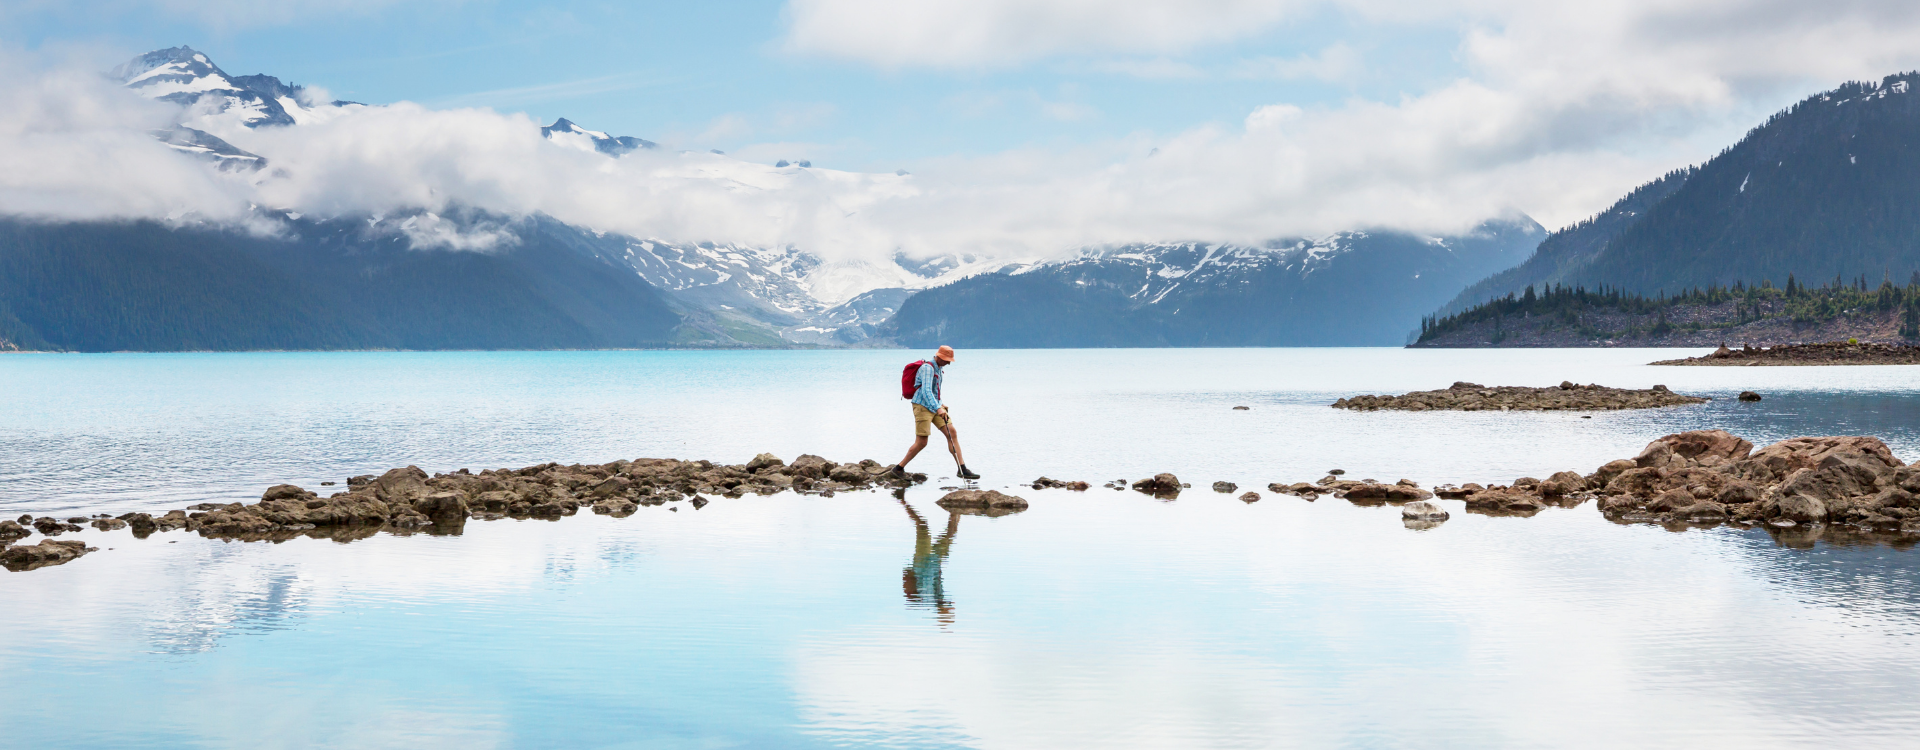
(1561, 109)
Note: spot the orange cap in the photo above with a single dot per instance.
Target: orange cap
(946, 353)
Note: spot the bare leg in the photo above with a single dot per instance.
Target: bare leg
(953, 443)
(919, 443)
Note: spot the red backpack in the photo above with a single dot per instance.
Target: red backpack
(907, 378)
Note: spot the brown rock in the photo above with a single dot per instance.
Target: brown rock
(47, 552)
(1162, 485)
(982, 502)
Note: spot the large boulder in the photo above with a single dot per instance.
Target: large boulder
(47, 552)
(982, 502)
(810, 466)
(1161, 485)
(1774, 462)
(765, 462)
(402, 485)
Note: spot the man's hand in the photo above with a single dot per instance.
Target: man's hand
(943, 410)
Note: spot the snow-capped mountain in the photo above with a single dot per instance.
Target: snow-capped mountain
(185, 76)
(733, 294)
(1351, 288)
(565, 131)
(204, 145)
(788, 294)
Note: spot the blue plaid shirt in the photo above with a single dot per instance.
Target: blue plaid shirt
(926, 386)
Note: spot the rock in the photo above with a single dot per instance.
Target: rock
(810, 466)
(1336, 472)
(1421, 510)
(1044, 483)
(764, 462)
(402, 485)
(1800, 509)
(11, 531)
(982, 502)
(47, 552)
(850, 473)
(24, 520)
(1250, 497)
(442, 505)
(1566, 396)
(1241, 408)
(1749, 396)
(698, 502)
(1226, 487)
(618, 507)
(1391, 493)
(1504, 502)
(109, 524)
(285, 492)
(1161, 485)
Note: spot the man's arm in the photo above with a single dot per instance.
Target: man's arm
(923, 388)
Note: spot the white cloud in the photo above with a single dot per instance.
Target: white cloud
(74, 147)
(1002, 33)
(1562, 109)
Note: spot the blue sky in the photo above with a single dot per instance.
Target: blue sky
(715, 74)
(1029, 126)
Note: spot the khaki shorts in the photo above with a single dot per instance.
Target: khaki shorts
(924, 421)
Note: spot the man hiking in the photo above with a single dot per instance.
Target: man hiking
(929, 413)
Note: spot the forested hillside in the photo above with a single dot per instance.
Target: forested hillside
(1764, 315)
(112, 286)
(1829, 187)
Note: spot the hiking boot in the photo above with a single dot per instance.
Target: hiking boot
(966, 473)
(897, 472)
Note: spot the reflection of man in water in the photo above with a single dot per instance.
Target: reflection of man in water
(921, 580)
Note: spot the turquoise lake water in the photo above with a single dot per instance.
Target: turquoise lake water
(1096, 619)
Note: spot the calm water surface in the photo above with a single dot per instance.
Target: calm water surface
(1094, 619)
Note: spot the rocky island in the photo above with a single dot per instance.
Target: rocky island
(1830, 353)
(1464, 396)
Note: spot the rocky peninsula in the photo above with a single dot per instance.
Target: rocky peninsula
(1464, 396)
(407, 500)
(1830, 353)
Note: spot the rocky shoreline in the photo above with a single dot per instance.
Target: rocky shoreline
(1830, 353)
(1463, 396)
